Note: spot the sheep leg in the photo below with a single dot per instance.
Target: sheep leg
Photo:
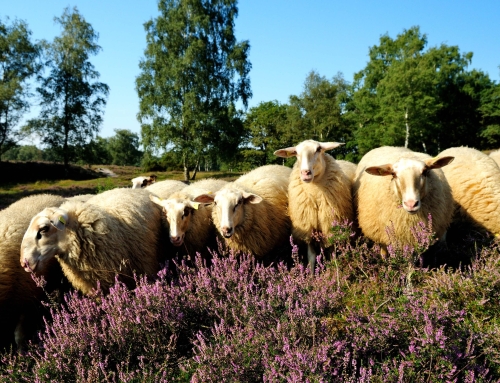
(311, 257)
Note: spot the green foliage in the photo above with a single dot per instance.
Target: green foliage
(18, 63)
(72, 100)
(424, 100)
(192, 75)
(124, 148)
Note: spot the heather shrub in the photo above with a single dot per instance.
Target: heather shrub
(361, 317)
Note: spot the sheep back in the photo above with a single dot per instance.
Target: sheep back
(116, 232)
(164, 189)
(474, 178)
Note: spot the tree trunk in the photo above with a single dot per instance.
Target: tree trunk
(186, 168)
(407, 138)
(195, 169)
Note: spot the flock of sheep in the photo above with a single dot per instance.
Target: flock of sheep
(96, 239)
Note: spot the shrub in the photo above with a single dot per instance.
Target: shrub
(361, 318)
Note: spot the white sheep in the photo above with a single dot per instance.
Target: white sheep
(474, 178)
(319, 192)
(164, 189)
(142, 182)
(251, 212)
(116, 232)
(397, 186)
(20, 298)
(496, 156)
(190, 223)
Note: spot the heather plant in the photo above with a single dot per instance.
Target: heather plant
(361, 317)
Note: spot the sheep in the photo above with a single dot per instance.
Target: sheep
(396, 185)
(142, 182)
(251, 212)
(20, 298)
(190, 222)
(319, 192)
(348, 168)
(474, 178)
(164, 189)
(496, 156)
(116, 232)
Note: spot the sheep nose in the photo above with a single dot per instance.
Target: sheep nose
(227, 231)
(306, 172)
(411, 204)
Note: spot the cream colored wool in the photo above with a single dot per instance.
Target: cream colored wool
(264, 226)
(348, 168)
(19, 296)
(164, 189)
(379, 207)
(474, 178)
(81, 197)
(196, 226)
(116, 232)
(496, 156)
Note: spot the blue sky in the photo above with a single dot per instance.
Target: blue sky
(288, 39)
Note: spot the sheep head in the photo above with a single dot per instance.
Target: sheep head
(409, 178)
(178, 212)
(44, 238)
(229, 208)
(310, 157)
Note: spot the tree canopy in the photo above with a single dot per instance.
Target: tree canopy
(72, 100)
(19, 61)
(192, 76)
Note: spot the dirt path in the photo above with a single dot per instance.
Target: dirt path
(106, 172)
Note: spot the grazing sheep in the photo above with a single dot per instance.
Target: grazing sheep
(496, 156)
(142, 182)
(116, 232)
(20, 298)
(251, 212)
(164, 189)
(474, 179)
(190, 222)
(398, 186)
(319, 192)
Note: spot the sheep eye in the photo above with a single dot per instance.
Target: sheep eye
(318, 149)
(185, 213)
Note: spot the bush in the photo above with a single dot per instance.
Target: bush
(361, 318)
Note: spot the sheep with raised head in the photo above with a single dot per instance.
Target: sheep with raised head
(399, 187)
(474, 179)
(20, 298)
(142, 182)
(190, 223)
(251, 212)
(114, 233)
(319, 192)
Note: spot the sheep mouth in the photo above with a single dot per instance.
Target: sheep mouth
(29, 268)
(227, 235)
(177, 242)
(307, 179)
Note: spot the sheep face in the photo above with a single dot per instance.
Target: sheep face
(310, 157)
(178, 213)
(44, 239)
(229, 208)
(409, 179)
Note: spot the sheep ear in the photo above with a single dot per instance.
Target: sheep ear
(194, 205)
(382, 170)
(286, 152)
(330, 145)
(436, 163)
(157, 200)
(59, 219)
(251, 198)
(204, 198)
